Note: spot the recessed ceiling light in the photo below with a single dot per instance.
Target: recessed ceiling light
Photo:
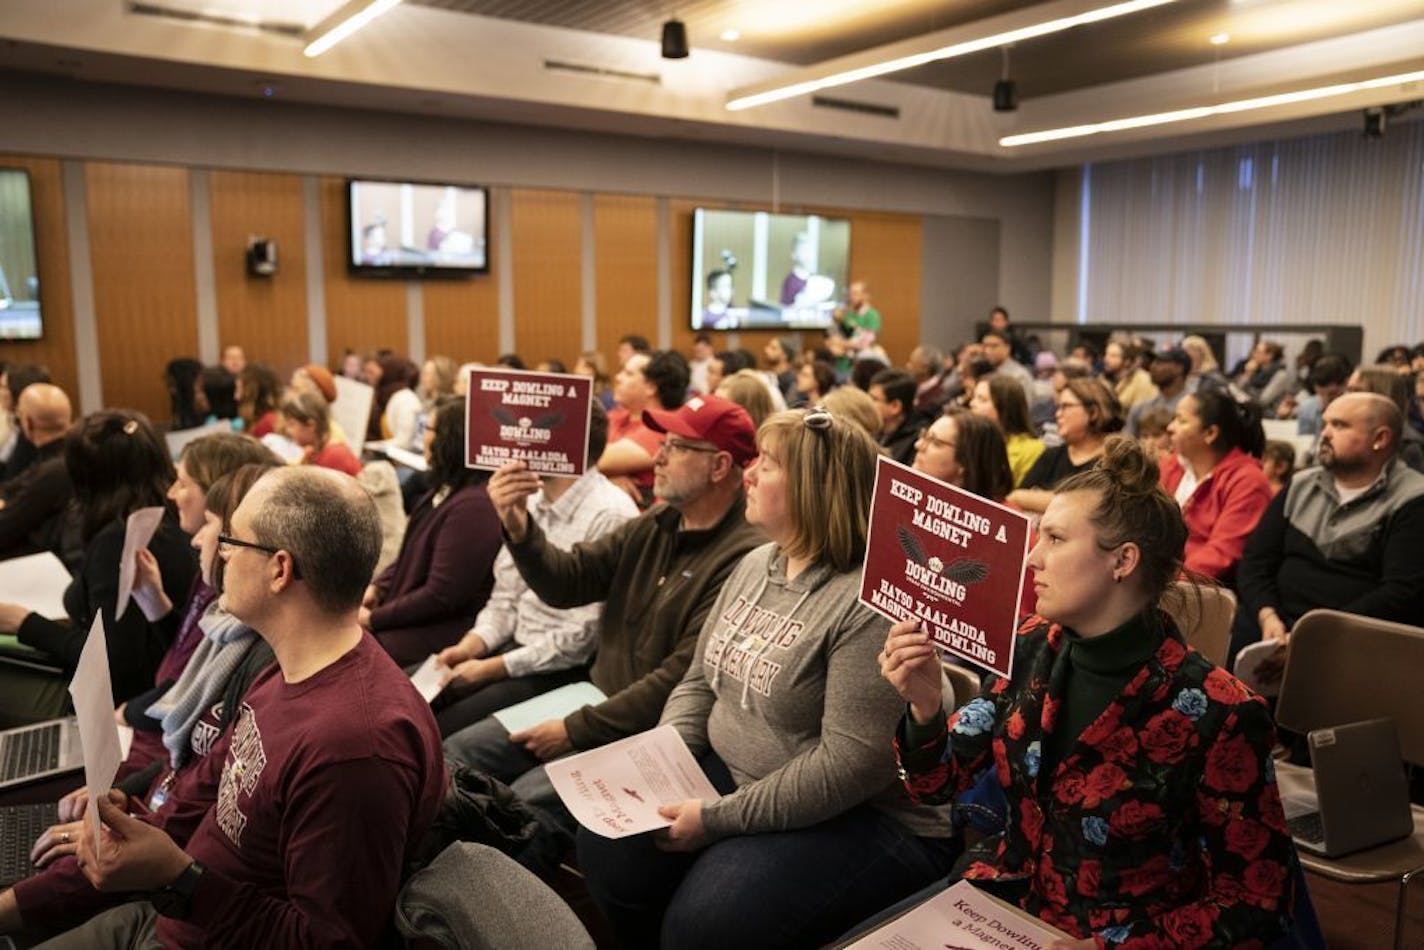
(731, 36)
(1221, 39)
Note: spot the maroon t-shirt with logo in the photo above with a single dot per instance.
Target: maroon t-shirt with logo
(324, 786)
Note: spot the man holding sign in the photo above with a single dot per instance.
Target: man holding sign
(658, 574)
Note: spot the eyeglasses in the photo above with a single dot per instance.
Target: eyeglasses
(932, 440)
(1065, 406)
(670, 446)
(226, 544)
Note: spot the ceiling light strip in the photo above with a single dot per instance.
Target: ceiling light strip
(962, 48)
(343, 24)
(1202, 112)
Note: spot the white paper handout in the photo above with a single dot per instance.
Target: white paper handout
(179, 439)
(36, 581)
(407, 458)
(287, 450)
(98, 733)
(352, 410)
(555, 704)
(140, 530)
(426, 680)
(615, 790)
(1252, 663)
(962, 917)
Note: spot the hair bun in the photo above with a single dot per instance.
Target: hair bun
(1128, 463)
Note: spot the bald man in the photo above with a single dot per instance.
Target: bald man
(32, 503)
(1344, 535)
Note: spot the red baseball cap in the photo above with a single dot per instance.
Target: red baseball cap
(709, 419)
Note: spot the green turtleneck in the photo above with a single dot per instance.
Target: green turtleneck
(1098, 669)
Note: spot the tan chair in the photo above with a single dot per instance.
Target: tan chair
(963, 681)
(1342, 668)
(1203, 614)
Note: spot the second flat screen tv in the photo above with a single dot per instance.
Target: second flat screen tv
(755, 269)
(411, 228)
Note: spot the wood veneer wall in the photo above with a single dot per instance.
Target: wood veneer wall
(266, 315)
(140, 222)
(141, 253)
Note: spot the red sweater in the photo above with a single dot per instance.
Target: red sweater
(336, 455)
(1222, 512)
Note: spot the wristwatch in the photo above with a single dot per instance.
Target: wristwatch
(176, 900)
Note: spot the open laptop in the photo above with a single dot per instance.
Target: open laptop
(1362, 796)
(40, 750)
(20, 825)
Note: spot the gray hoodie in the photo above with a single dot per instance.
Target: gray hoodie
(786, 689)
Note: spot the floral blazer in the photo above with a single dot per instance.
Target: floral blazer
(1161, 826)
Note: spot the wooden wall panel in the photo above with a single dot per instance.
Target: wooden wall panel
(141, 252)
(462, 317)
(546, 242)
(56, 349)
(886, 253)
(362, 313)
(625, 240)
(266, 316)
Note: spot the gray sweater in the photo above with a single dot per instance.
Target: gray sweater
(785, 687)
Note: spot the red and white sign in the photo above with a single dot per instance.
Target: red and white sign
(949, 558)
(538, 418)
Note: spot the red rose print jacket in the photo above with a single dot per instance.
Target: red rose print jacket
(1161, 826)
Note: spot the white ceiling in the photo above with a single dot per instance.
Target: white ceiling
(424, 59)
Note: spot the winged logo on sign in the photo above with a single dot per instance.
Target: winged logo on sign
(964, 570)
(506, 418)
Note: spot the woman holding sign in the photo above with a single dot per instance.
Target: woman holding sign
(783, 705)
(1143, 807)
(427, 599)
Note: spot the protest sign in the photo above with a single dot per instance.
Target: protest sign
(537, 418)
(948, 557)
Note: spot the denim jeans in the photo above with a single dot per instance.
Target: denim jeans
(779, 889)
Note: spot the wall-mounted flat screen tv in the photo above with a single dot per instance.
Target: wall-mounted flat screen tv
(19, 268)
(755, 269)
(402, 228)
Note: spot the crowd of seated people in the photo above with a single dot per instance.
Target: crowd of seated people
(264, 663)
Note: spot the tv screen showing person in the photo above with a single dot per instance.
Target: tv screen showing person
(756, 269)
